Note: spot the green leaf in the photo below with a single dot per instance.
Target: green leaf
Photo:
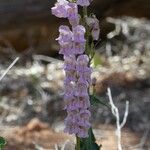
(90, 142)
(96, 60)
(2, 143)
(94, 100)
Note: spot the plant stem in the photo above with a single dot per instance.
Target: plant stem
(78, 143)
(85, 15)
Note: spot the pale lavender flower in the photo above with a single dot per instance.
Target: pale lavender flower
(71, 122)
(74, 22)
(69, 88)
(82, 63)
(73, 102)
(83, 70)
(73, 14)
(95, 33)
(81, 89)
(78, 48)
(78, 34)
(93, 23)
(83, 119)
(77, 122)
(70, 62)
(66, 48)
(70, 75)
(72, 11)
(70, 102)
(65, 34)
(60, 9)
(83, 2)
(83, 102)
(76, 66)
(83, 60)
(85, 77)
(65, 40)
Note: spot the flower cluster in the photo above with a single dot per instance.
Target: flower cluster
(78, 73)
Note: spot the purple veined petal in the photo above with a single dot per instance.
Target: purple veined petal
(84, 113)
(70, 62)
(90, 22)
(83, 60)
(72, 117)
(74, 103)
(78, 34)
(83, 2)
(85, 80)
(85, 75)
(74, 21)
(78, 48)
(70, 103)
(95, 33)
(83, 102)
(84, 123)
(60, 9)
(66, 48)
(82, 69)
(73, 15)
(68, 99)
(72, 11)
(65, 34)
(69, 88)
(81, 89)
(71, 124)
(93, 23)
(70, 75)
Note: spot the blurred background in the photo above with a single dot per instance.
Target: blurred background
(31, 94)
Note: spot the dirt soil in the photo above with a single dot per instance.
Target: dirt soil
(39, 134)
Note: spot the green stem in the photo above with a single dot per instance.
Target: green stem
(78, 143)
(85, 15)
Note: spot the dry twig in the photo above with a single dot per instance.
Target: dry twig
(115, 112)
(6, 71)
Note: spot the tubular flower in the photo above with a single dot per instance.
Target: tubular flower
(93, 23)
(83, 2)
(64, 9)
(78, 34)
(60, 9)
(77, 98)
(76, 67)
(65, 40)
(73, 15)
